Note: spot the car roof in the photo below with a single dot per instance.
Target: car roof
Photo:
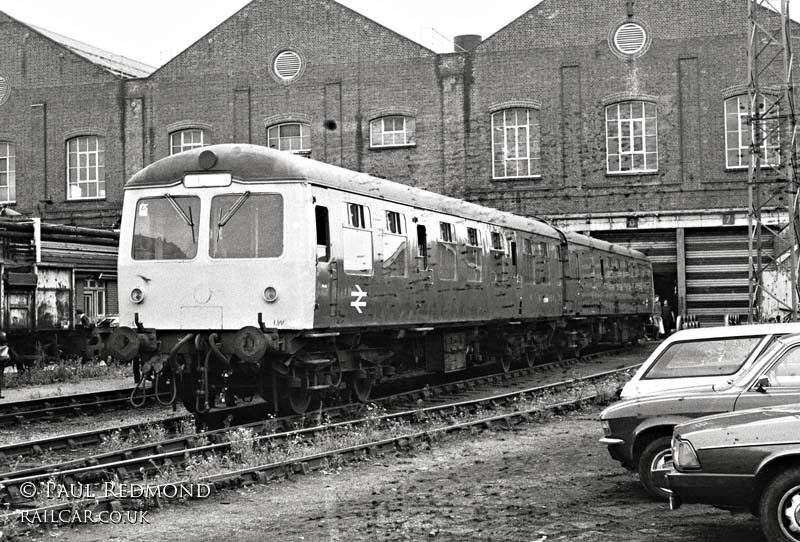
(735, 331)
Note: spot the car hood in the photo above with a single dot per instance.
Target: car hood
(755, 426)
(677, 400)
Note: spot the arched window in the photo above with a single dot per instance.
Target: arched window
(184, 140)
(392, 131)
(294, 137)
(86, 168)
(631, 137)
(8, 183)
(739, 134)
(516, 143)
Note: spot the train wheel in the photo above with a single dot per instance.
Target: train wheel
(297, 400)
(502, 362)
(361, 388)
(531, 357)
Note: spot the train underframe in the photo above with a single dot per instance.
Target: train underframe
(211, 372)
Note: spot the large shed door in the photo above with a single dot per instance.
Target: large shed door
(716, 273)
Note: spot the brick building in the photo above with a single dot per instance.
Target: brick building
(604, 117)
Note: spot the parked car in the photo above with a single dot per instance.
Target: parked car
(638, 431)
(744, 460)
(703, 357)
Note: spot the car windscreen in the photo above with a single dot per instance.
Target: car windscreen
(707, 357)
(246, 226)
(165, 228)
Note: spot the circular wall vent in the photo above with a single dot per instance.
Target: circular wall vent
(287, 65)
(3, 89)
(630, 38)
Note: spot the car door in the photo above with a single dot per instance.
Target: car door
(781, 383)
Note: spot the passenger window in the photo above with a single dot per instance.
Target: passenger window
(497, 241)
(323, 234)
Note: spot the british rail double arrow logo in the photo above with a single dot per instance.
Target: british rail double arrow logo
(358, 303)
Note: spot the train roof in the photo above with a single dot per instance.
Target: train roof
(254, 163)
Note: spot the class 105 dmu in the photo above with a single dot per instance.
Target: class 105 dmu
(247, 273)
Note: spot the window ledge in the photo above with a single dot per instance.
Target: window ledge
(392, 147)
(521, 178)
(747, 168)
(630, 173)
(73, 200)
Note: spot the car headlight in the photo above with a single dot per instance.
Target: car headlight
(606, 428)
(683, 454)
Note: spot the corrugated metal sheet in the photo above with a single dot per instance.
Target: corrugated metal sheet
(658, 245)
(717, 273)
(84, 257)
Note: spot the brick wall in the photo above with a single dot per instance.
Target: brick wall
(558, 54)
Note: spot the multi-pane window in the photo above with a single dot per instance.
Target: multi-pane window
(497, 241)
(739, 134)
(356, 217)
(516, 145)
(86, 168)
(94, 299)
(294, 137)
(392, 131)
(185, 140)
(394, 223)
(8, 183)
(446, 231)
(472, 237)
(631, 137)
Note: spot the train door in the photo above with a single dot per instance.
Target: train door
(424, 271)
(326, 268)
(357, 269)
(516, 274)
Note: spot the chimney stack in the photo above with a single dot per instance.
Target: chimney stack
(466, 42)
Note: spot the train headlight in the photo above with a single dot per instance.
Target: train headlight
(270, 294)
(137, 295)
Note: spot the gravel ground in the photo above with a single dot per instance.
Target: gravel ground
(25, 393)
(545, 482)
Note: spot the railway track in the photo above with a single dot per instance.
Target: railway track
(168, 458)
(23, 451)
(52, 408)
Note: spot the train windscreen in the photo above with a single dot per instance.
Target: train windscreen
(246, 226)
(165, 228)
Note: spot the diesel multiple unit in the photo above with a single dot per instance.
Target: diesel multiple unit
(246, 271)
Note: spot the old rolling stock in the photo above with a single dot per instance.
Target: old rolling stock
(245, 271)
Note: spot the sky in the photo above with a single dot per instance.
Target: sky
(154, 31)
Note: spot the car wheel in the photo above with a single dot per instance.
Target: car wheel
(780, 507)
(654, 457)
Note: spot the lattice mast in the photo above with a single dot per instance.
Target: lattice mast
(772, 180)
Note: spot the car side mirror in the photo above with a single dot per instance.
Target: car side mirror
(762, 384)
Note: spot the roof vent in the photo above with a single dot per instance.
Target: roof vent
(630, 39)
(287, 65)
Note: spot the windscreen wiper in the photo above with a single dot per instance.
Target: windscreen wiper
(235, 207)
(186, 218)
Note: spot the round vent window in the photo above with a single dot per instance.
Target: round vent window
(630, 38)
(287, 65)
(3, 89)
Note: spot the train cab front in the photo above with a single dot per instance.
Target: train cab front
(216, 275)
